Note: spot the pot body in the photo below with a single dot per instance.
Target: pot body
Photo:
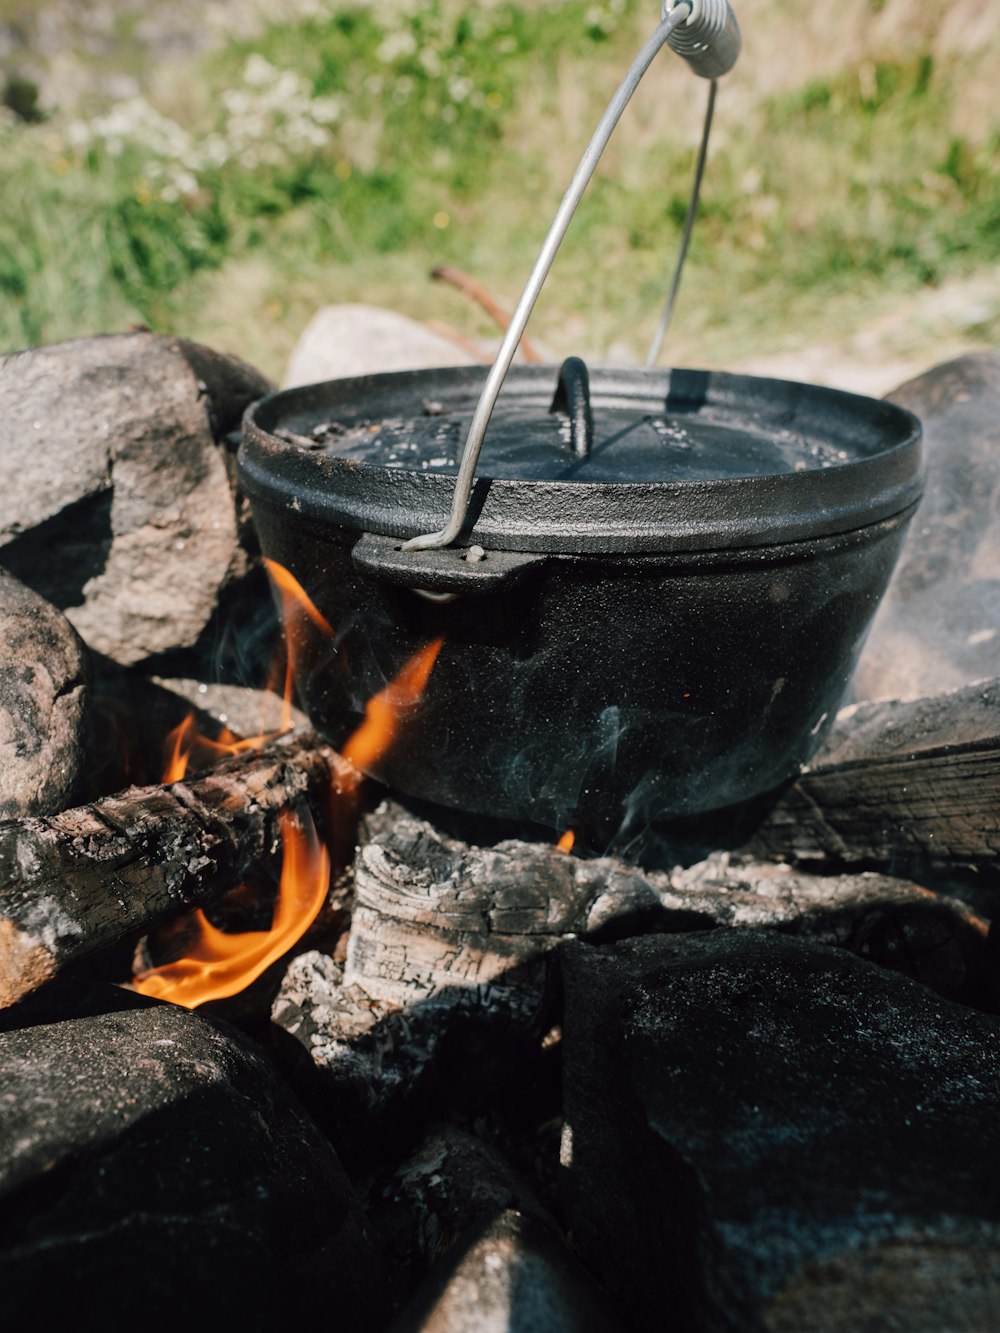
(600, 692)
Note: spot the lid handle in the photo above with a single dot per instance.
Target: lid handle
(672, 18)
(572, 399)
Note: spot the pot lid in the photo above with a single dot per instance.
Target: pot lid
(644, 460)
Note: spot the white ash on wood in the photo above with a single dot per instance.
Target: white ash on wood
(439, 920)
(452, 948)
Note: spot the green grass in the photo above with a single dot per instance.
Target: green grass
(448, 137)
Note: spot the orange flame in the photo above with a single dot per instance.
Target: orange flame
(384, 712)
(177, 750)
(219, 964)
(186, 744)
(298, 612)
(565, 843)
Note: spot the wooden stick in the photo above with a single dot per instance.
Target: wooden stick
(898, 784)
(77, 882)
(501, 317)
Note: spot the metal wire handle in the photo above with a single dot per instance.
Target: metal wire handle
(711, 47)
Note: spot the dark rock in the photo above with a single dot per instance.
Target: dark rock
(939, 625)
(763, 1133)
(153, 1171)
(44, 674)
(115, 498)
(512, 1275)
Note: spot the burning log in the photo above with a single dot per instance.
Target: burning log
(75, 883)
(898, 784)
(894, 780)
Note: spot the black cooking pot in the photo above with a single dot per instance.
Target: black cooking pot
(656, 603)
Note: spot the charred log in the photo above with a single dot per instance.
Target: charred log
(898, 785)
(452, 955)
(75, 883)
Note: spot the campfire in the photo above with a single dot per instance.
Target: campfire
(443, 1064)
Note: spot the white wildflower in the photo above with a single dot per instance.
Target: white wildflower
(236, 101)
(430, 61)
(258, 72)
(326, 110)
(78, 134)
(186, 184)
(396, 46)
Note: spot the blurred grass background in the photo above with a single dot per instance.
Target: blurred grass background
(221, 170)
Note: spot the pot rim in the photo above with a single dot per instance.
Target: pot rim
(621, 517)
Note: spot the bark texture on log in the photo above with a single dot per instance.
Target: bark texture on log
(75, 883)
(898, 784)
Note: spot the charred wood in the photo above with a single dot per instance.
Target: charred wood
(436, 917)
(78, 882)
(898, 785)
(451, 957)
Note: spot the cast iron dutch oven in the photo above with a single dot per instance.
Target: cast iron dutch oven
(657, 600)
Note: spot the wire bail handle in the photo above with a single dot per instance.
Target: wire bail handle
(706, 34)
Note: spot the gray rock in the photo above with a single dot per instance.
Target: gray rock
(939, 624)
(763, 1133)
(245, 710)
(44, 675)
(344, 340)
(152, 1166)
(115, 498)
